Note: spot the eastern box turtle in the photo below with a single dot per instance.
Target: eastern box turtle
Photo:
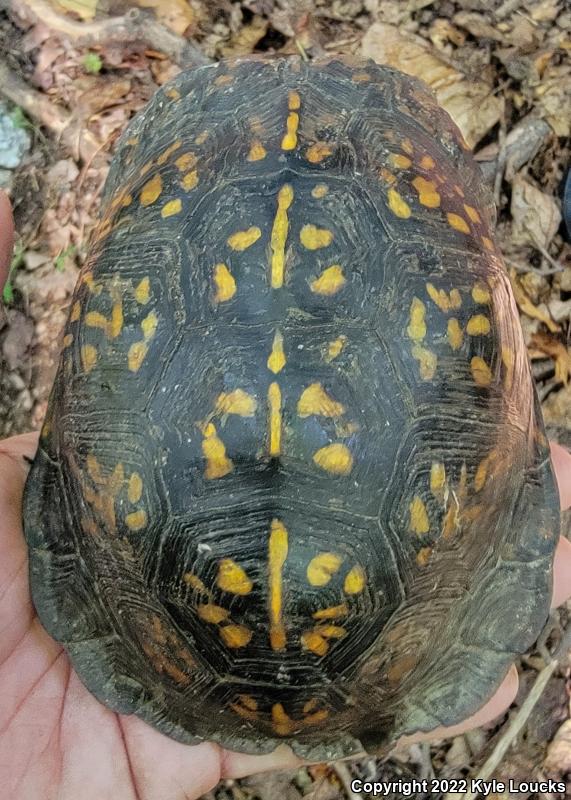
(293, 483)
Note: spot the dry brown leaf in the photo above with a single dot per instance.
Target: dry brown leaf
(247, 38)
(536, 216)
(553, 97)
(471, 105)
(556, 350)
(177, 15)
(558, 758)
(85, 9)
(527, 307)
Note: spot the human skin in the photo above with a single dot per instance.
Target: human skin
(58, 743)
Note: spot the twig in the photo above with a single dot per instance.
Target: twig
(134, 26)
(520, 719)
(342, 771)
(38, 106)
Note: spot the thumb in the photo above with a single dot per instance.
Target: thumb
(6, 237)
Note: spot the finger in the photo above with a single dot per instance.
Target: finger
(238, 765)
(561, 573)
(6, 237)
(502, 699)
(561, 459)
(15, 606)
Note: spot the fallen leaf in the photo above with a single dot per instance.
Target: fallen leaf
(85, 9)
(247, 38)
(536, 216)
(18, 338)
(471, 104)
(553, 97)
(527, 307)
(547, 345)
(558, 758)
(177, 15)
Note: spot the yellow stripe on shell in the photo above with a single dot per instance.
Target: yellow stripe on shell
(143, 291)
(217, 463)
(275, 414)
(277, 554)
(417, 326)
(437, 478)
(419, 522)
(135, 488)
(454, 334)
(279, 236)
(88, 357)
(277, 360)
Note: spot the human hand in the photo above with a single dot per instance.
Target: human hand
(57, 741)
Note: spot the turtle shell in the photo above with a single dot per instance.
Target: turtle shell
(293, 483)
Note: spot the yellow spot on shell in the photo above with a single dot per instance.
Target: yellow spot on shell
(241, 240)
(417, 326)
(478, 325)
(194, 582)
(94, 469)
(189, 181)
(136, 356)
(427, 194)
(458, 223)
(93, 319)
(67, 339)
(407, 146)
(151, 191)
(294, 101)
(398, 205)
(332, 612)
(318, 151)
(277, 554)
(335, 458)
(399, 161)
(202, 137)
(426, 162)
(313, 238)
(257, 151)
(279, 236)
(186, 161)
(235, 636)
(281, 723)
(481, 372)
(232, 578)
(481, 475)
(444, 301)
(423, 556)
(313, 641)
(319, 191)
(335, 347)
(437, 478)
(237, 402)
(360, 77)
(488, 244)
(136, 520)
(248, 701)
(225, 284)
(171, 93)
(480, 294)
(135, 488)
(354, 580)
(166, 154)
(472, 213)
(75, 312)
(88, 357)
(277, 359)
(427, 362)
(223, 80)
(209, 612)
(171, 208)
(275, 408)
(419, 522)
(149, 325)
(329, 282)
(143, 291)
(315, 400)
(454, 334)
(387, 176)
(321, 568)
(217, 463)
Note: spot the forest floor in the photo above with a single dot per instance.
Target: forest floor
(72, 74)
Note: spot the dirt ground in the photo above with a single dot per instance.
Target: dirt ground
(73, 73)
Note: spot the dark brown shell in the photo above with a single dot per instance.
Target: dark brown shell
(293, 484)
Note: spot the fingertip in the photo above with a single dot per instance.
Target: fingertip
(561, 572)
(6, 236)
(561, 460)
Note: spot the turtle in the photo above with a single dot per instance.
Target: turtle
(293, 484)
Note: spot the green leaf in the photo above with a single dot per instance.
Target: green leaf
(92, 63)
